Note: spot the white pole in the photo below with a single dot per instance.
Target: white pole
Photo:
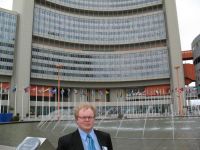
(42, 102)
(93, 95)
(68, 99)
(36, 102)
(15, 90)
(1, 96)
(75, 100)
(8, 104)
(55, 100)
(49, 102)
(105, 103)
(29, 91)
(81, 95)
(117, 102)
(62, 101)
(22, 105)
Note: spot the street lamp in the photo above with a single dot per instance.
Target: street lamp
(178, 90)
(59, 66)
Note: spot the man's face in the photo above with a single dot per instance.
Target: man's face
(85, 120)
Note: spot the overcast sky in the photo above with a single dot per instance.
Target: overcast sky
(188, 19)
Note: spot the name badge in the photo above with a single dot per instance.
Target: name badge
(104, 148)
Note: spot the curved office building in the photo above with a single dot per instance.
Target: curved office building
(96, 50)
(104, 44)
(196, 59)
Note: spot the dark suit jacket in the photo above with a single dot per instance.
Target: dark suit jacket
(73, 141)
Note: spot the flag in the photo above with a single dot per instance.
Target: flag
(179, 90)
(40, 91)
(100, 92)
(14, 89)
(107, 92)
(62, 91)
(33, 89)
(68, 91)
(157, 92)
(27, 89)
(120, 94)
(75, 91)
(46, 90)
(86, 93)
(81, 92)
(6, 89)
(53, 91)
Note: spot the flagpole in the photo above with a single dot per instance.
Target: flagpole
(8, 102)
(75, 98)
(117, 103)
(29, 91)
(1, 96)
(49, 103)
(105, 103)
(62, 101)
(36, 102)
(42, 102)
(22, 105)
(59, 66)
(68, 99)
(15, 101)
(55, 99)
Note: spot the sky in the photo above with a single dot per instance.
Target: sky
(188, 12)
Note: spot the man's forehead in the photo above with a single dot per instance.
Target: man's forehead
(85, 109)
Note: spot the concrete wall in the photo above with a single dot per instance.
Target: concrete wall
(21, 76)
(177, 74)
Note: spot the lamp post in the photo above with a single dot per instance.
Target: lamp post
(178, 90)
(58, 66)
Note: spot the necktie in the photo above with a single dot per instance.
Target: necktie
(90, 143)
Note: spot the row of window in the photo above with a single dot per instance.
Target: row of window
(6, 44)
(92, 69)
(59, 18)
(7, 28)
(6, 60)
(101, 77)
(6, 67)
(107, 5)
(92, 30)
(114, 61)
(6, 52)
(8, 16)
(100, 56)
(121, 65)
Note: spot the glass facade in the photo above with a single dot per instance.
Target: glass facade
(53, 24)
(8, 23)
(106, 5)
(100, 66)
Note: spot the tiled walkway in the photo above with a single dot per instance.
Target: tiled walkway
(2, 147)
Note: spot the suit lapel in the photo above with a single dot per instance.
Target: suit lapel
(77, 142)
(99, 138)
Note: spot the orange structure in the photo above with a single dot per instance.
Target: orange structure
(187, 55)
(189, 75)
(189, 70)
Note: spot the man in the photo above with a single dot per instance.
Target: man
(85, 137)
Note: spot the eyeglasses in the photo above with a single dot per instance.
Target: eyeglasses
(86, 117)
